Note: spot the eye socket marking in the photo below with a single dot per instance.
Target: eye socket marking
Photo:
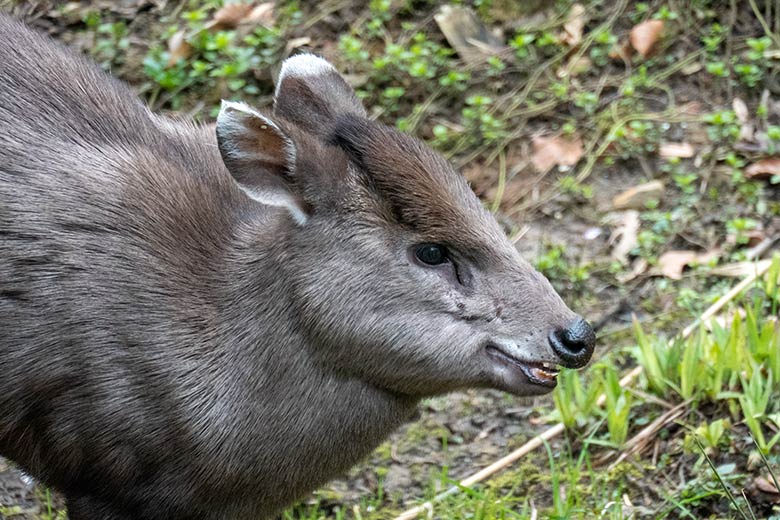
(431, 254)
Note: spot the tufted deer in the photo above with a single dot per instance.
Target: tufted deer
(208, 325)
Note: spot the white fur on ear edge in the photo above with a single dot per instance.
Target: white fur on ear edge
(236, 106)
(302, 65)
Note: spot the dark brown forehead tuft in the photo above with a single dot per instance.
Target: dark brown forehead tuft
(423, 189)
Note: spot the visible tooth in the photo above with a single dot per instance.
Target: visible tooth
(544, 374)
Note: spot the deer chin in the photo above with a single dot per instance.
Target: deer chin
(520, 376)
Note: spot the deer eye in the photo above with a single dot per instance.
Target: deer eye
(431, 254)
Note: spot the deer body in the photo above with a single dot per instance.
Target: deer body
(209, 326)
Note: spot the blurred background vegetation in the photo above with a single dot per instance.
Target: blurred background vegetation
(632, 151)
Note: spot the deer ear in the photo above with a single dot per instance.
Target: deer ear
(259, 156)
(312, 94)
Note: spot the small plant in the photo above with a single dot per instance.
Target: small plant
(571, 186)
(604, 42)
(739, 226)
(722, 125)
(711, 436)
(483, 126)
(110, 40)
(754, 401)
(218, 61)
(617, 408)
(574, 401)
(521, 43)
(557, 268)
(718, 68)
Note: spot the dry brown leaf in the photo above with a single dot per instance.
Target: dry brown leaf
(262, 14)
(746, 129)
(638, 267)
(740, 110)
(766, 486)
(637, 197)
(549, 151)
(645, 35)
(764, 169)
(672, 263)
(178, 47)
(678, 150)
(575, 23)
(466, 33)
(230, 16)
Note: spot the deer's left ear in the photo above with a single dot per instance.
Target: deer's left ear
(259, 156)
(312, 94)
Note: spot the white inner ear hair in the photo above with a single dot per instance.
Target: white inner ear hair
(278, 199)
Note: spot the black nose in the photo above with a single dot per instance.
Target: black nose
(574, 344)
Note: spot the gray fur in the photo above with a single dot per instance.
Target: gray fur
(171, 348)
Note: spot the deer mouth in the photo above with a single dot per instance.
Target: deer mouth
(536, 372)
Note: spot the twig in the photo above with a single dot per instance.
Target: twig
(639, 441)
(762, 21)
(557, 429)
(497, 466)
(501, 181)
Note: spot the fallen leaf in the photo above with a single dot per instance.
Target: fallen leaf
(262, 14)
(678, 150)
(575, 23)
(637, 197)
(740, 110)
(638, 267)
(766, 486)
(230, 16)
(555, 151)
(672, 263)
(645, 35)
(178, 47)
(466, 33)
(764, 169)
(746, 129)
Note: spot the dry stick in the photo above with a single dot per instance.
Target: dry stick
(557, 429)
